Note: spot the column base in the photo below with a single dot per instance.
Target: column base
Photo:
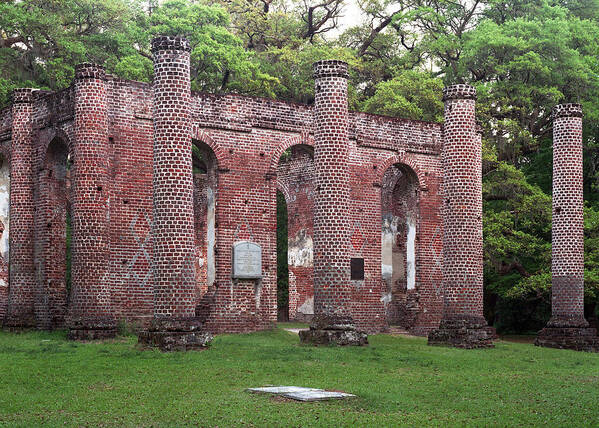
(467, 333)
(575, 338)
(91, 329)
(17, 324)
(333, 330)
(175, 334)
(17, 320)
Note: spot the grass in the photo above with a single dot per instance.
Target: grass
(46, 380)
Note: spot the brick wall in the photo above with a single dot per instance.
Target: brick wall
(296, 179)
(242, 139)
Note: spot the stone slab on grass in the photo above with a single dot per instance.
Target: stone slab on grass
(317, 395)
(301, 393)
(279, 390)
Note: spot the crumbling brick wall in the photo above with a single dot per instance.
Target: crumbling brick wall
(295, 177)
(244, 138)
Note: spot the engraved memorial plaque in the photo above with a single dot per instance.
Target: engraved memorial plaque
(247, 260)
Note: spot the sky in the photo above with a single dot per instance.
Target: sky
(351, 15)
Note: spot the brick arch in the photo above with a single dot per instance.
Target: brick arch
(404, 159)
(202, 135)
(304, 139)
(51, 136)
(284, 189)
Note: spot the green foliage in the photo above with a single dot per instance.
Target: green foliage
(523, 67)
(219, 60)
(282, 242)
(293, 68)
(411, 95)
(517, 233)
(42, 40)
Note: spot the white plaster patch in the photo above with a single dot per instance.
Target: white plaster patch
(4, 207)
(388, 233)
(411, 255)
(211, 236)
(386, 298)
(307, 307)
(300, 250)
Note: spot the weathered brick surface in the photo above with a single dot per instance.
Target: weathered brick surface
(109, 123)
(173, 221)
(463, 323)
(332, 285)
(567, 327)
(296, 180)
(52, 203)
(90, 301)
(20, 311)
(173, 236)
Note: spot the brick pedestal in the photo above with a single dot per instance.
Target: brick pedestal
(90, 315)
(463, 324)
(175, 326)
(567, 327)
(332, 321)
(21, 294)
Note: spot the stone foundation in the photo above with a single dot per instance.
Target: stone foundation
(330, 330)
(19, 322)
(463, 333)
(176, 334)
(91, 329)
(575, 338)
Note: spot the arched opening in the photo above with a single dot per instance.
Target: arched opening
(399, 244)
(282, 261)
(52, 246)
(295, 284)
(205, 185)
(4, 230)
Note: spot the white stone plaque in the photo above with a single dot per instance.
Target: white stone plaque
(247, 260)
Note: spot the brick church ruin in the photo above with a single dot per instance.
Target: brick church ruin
(169, 199)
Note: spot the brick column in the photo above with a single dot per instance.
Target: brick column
(463, 324)
(567, 327)
(90, 315)
(332, 321)
(175, 325)
(21, 294)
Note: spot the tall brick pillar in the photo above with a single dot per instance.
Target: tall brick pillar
(90, 315)
(332, 322)
(463, 324)
(21, 295)
(567, 327)
(175, 325)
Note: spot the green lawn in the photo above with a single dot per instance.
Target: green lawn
(46, 380)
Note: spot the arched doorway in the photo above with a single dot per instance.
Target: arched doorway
(52, 249)
(295, 177)
(399, 244)
(205, 185)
